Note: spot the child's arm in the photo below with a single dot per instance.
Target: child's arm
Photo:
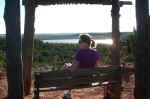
(74, 66)
(97, 63)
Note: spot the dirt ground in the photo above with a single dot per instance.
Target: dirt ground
(86, 93)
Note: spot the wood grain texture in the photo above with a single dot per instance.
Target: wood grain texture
(82, 77)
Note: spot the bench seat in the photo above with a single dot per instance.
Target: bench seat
(81, 78)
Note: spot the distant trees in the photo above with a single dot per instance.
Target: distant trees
(127, 51)
(2, 52)
(56, 55)
(53, 54)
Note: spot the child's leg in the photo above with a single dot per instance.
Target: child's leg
(105, 90)
(70, 90)
(67, 95)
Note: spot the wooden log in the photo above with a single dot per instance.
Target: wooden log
(142, 79)
(115, 50)
(54, 2)
(28, 44)
(114, 91)
(13, 53)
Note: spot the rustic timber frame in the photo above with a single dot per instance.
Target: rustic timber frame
(12, 21)
(14, 60)
(28, 40)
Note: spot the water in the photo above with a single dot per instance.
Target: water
(75, 41)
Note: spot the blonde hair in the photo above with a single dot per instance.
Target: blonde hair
(93, 44)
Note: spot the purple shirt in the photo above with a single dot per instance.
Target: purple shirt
(87, 58)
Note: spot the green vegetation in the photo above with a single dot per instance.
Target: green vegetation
(56, 55)
(127, 51)
(53, 54)
(2, 52)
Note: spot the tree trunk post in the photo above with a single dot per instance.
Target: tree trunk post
(142, 69)
(115, 90)
(115, 50)
(28, 44)
(13, 52)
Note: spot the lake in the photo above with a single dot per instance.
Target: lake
(75, 41)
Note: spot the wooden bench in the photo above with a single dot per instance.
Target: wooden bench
(81, 78)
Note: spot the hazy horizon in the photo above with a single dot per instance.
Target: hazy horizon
(74, 33)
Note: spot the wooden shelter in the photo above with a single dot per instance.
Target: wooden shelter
(29, 33)
(14, 62)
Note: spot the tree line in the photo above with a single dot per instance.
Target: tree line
(55, 55)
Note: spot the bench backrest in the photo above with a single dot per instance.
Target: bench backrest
(66, 79)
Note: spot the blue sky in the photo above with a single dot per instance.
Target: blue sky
(76, 18)
(2, 25)
(2, 3)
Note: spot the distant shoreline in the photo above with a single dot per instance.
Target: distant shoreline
(60, 36)
(75, 41)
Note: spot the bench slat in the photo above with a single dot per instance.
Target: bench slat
(67, 79)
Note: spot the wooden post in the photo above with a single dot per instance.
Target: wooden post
(28, 44)
(115, 90)
(115, 50)
(13, 54)
(142, 71)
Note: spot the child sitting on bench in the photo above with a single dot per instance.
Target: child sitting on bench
(86, 57)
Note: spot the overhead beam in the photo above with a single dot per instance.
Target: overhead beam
(53, 2)
(125, 3)
(58, 2)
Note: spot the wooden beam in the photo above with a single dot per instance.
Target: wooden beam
(52, 2)
(114, 91)
(125, 3)
(28, 44)
(142, 79)
(115, 50)
(13, 54)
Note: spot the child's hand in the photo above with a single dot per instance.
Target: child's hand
(67, 66)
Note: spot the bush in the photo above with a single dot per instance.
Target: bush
(127, 51)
